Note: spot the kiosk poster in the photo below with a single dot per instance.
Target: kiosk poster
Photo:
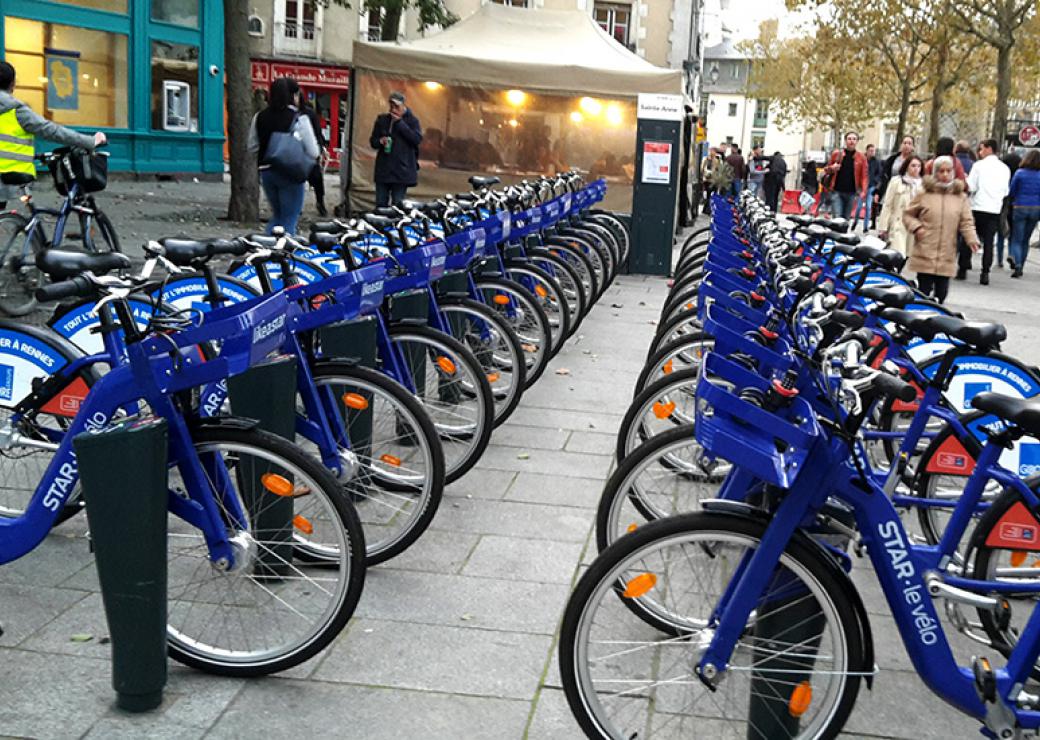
(657, 161)
(62, 79)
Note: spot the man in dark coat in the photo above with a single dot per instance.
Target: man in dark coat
(396, 136)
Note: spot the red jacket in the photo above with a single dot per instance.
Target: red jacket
(861, 169)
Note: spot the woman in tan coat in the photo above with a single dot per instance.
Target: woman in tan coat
(901, 190)
(934, 218)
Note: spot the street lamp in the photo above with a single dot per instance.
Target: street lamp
(713, 73)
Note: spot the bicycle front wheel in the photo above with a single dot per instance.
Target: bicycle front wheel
(273, 610)
(795, 670)
(99, 235)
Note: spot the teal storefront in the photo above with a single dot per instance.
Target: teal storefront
(149, 73)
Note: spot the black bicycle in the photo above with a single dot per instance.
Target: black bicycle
(77, 175)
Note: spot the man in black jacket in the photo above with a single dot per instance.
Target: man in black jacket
(396, 136)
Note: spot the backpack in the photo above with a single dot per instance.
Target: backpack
(287, 156)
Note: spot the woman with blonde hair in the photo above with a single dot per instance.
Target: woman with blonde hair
(934, 218)
(898, 195)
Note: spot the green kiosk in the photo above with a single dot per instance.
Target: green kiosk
(655, 193)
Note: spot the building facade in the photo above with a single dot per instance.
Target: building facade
(149, 73)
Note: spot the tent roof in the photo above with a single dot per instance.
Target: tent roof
(559, 51)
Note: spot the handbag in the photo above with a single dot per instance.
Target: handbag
(286, 155)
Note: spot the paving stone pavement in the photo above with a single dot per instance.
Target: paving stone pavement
(455, 638)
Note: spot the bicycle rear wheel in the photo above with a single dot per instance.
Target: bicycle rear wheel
(19, 276)
(636, 623)
(273, 611)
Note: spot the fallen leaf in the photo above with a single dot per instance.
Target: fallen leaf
(563, 371)
(81, 638)
(523, 456)
(617, 305)
(466, 617)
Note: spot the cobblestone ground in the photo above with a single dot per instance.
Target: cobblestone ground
(455, 638)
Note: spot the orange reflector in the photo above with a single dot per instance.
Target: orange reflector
(301, 523)
(445, 364)
(1017, 558)
(800, 700)
(668, 367)
(501, 299)
(663, 410)
(493, 377)
(276, 484)
(541, 291)
(689, 306)
(391, 460)
(632, 527)
(355, 401)
(639, 586)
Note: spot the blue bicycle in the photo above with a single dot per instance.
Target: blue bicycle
(266, 556)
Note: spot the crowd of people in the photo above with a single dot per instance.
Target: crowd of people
(939, 210)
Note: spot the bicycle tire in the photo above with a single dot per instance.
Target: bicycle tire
(105, 229)
(633, 430)
(463, 440)
(549, 295)
(383, 496)
(348, 552)
(573, 256)
(529, 322)
(18, 281)
(506, 394)
(594, 620)
(689, 349)
(570, 281)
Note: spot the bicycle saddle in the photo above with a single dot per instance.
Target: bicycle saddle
(840, 225)
(484, 182)
(61, 265)
(800, 220)
(840, 237)
(16, 178)
(982, 336)
(894, 296)
(1022, 412)
(184, 252)
(327, 227)
(262, 240)
(324, 242)
(423, 206)
(387, 212)
(380, 222)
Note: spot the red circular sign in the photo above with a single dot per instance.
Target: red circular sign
(1029, 136)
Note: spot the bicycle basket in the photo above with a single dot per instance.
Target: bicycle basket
(88, 169)
(771, 445)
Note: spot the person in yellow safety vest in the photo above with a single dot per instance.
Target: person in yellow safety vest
(18, 127)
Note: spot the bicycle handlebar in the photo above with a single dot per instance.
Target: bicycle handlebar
(80, 286)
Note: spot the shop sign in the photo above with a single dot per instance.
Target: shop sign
(657, 161)
(260, 72)
(62, 79)
(1029, 135)
(263, 73)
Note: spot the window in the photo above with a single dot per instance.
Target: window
(374, 24)
(511, 3)
(256, 25)
(758, 138)
(299, 19)
(735, 70)
(761, 113)
(112, 6)
(179, 12)
(73, 76)
(175, 87)
(733, 110)
(614, 19)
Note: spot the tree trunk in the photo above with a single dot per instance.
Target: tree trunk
(391, 21)
(1000, 110)
(938, 90)
(243, 205)
(904, 110)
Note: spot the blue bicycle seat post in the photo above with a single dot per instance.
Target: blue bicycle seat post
(267, 393)
(123, 473)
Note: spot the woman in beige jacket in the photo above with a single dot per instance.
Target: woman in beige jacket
(934, 218)
(901, 190)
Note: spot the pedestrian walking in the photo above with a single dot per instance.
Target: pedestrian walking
(849, 168)
(893, 166)
(900, 193)
(773, 185)
(283, 184)
(868, 205)
(944, 148)
(1025, 212)
(709, 167)
(316, 179)
(736, 163)
(964, 155)
(396, 136)
(988, 184)
(1012, 159)
(758, 166)
(935, 217)
(19, 126)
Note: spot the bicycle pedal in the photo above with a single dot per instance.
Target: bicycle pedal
(999, 719)
(985, 679)
(1002, 615)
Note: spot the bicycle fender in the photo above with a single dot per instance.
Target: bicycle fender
(229, 422)
(741, 509)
